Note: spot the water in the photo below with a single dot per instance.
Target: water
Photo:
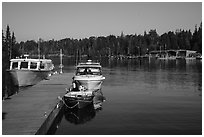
(143, 97)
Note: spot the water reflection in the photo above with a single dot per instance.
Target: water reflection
(144, 64)
(167, 91)
(154, 73)
(80, 116)
(98, 100)
(152, 64)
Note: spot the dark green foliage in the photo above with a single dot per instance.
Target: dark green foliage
(120, 45)
(106, 46)
(10, 49)
(196, 41)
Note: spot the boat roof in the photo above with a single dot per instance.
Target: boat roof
(89, 63)
(29, 59)
(88, 66)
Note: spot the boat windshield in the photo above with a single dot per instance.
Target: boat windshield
(33, 65)
(15, 65)
(88, 71)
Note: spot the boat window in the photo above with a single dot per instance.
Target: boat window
(80, 71)
(33, 65)
(15, 65)
(24, 65)
(42, 66)
(85, 71)
(95, 71)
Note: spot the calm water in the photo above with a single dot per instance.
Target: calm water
(142, 97)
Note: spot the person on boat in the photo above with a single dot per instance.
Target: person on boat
(89, 71)
(85, 71)
(74, 86)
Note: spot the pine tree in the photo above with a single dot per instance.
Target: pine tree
(8, 42)
(3, 41)
(14, 50)
(3, 65)
(200, 38)
(196, 41)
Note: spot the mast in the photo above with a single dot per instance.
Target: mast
(76, 61)
(39, 49)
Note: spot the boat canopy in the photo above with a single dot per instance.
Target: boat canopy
(88, 68)
(89, 63)
(31, 64)
(91, 70)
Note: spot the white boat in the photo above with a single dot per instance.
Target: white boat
(89, 75)
(27, 71)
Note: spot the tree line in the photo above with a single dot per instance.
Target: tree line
(105, 46)
(9, 50)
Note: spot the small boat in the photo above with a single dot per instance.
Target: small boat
(87, 113)
(27, 71)
(78, 99)
(89, 75)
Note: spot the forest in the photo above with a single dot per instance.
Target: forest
(111, 45)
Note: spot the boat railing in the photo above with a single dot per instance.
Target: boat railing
(88, 62)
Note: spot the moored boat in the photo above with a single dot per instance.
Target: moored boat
(89, 75)
(78, 98)
(27, 71)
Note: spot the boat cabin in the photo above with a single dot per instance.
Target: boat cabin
(88, 68)
(31, 64)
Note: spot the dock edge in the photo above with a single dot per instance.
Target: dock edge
(50, 119)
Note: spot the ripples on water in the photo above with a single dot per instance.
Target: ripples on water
(143, 97)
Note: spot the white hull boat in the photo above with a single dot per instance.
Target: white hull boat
(27, 72)
(90, 82)
(27, 77)
(89, 75)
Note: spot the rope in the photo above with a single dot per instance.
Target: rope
(69, 106)
(73, 105)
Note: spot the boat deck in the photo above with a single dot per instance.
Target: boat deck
(32, 110)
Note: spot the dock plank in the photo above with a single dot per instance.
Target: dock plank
(25, 112)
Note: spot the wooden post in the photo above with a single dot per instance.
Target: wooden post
(61, 65)
(39, 49)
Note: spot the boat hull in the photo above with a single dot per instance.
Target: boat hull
(27, 77)
(90, 82)
(72, 102)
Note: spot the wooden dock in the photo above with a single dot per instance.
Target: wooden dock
(32, 110)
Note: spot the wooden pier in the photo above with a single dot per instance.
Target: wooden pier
(33, 110)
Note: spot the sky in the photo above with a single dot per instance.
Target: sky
(59, 20)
